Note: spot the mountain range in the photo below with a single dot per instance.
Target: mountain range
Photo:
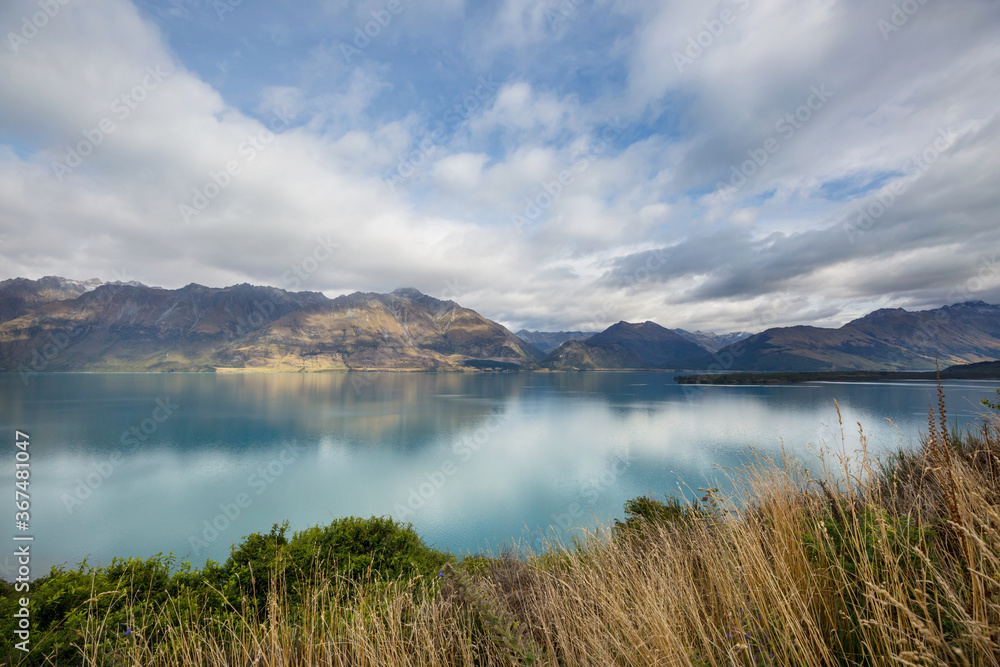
(128, 327)
(56, 324)
(887, 339)
(547, 341)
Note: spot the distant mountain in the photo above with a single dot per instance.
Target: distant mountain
(19, 296)
(625, 345)
(118, 327)
(583, 355)
(888, 339)
(546, 341)
(656, 346)
(712, 342)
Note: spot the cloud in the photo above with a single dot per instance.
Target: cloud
(590, 150)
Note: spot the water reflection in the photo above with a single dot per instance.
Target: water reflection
(469, 459)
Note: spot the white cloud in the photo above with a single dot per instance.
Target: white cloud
(450, 223)
(460, 172)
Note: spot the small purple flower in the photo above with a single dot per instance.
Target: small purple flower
(440, 573)
(128, 632)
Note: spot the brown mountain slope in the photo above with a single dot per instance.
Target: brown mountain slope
(136, 328)
(128, 327)
(403, 330)
(584, 356)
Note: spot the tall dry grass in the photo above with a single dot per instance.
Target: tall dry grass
(870, 562)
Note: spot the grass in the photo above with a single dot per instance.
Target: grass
(892, 561)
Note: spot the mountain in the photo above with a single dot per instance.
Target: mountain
(625, 345)
(712, 342)
(125, 327)
(19, 296)
(402, 330)
(657, 346)
(546, 341)
(55, 324)
(129, 327)
(585, 356)
(887, 339)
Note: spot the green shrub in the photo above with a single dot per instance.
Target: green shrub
(64, 603)
(645, 511)
(362, 548)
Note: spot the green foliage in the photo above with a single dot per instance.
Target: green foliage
(247, 573)
(873, 546)
(359, 548)
(645, 511)
(65, 603)
(993, 404)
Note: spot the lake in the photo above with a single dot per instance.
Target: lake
(139, 464)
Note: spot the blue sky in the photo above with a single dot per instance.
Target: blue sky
(553, 164)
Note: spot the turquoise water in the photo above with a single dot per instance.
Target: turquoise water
(139, 464)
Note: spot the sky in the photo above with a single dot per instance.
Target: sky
(552, 164)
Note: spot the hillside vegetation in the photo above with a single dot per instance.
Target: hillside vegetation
(869, 562)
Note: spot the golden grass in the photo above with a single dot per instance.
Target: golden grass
(893, 562)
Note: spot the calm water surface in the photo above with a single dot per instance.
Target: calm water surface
(138, 464)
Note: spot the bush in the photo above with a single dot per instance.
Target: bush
(362, 548)
(645, 511)
(66, 603)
